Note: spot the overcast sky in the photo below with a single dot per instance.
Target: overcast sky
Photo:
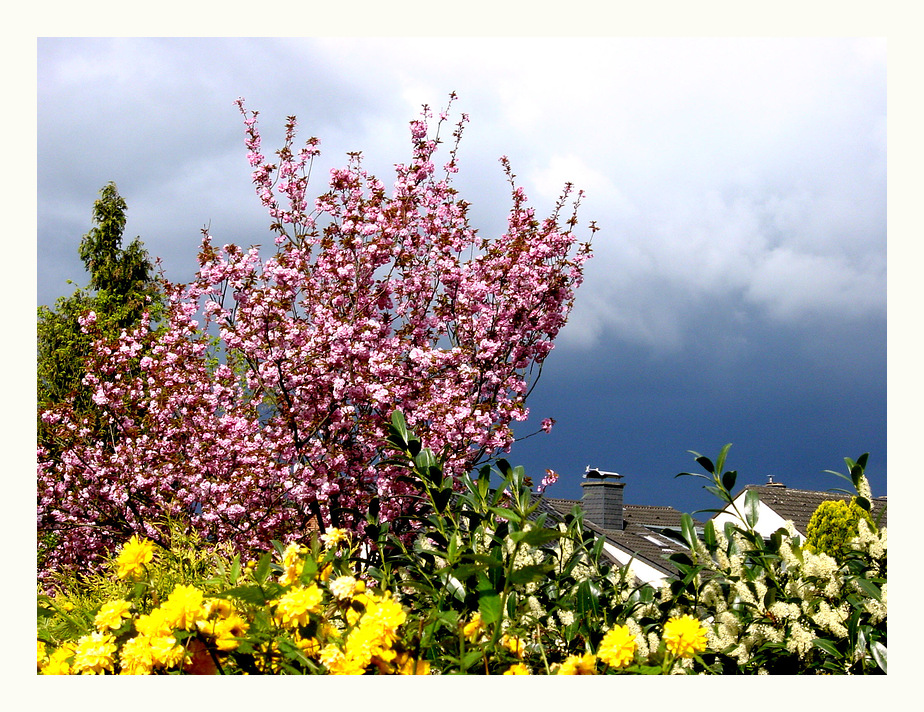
(738, 288)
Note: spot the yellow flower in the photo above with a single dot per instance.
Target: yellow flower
(517, 669)
(292, 564)
(184, 607)
(225, 631)
(58, 661)
(309, 646)
(166, 652)
(684, 636)
(41, 654)
(514, 644)
(617, 648)
(136, 656)
(293, 609)
(343, 586)
(218, 608)
(579, 665)
(154, 623)
(111, 614)
(473, 627)
(335, 536)
(337, 663)
(133, 557)
(94, 654)
(408, 666)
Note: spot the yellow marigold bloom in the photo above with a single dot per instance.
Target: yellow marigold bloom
(292, 564)
(408, 666)
(136, 656)
(343, 587)
(184, 607)
(335, 536)
(166, 652)
(58, 661)
(585, 664)
(517, 669)
(225, 631)
(293, 609)
(309, 646)
(133, 557)
(337, 663)
(684, 636)
(617, 649)
(218, 608)
(154, 623)
(110, 616)
(40, 654)
(514, 644)
(473, 627)
(95, 653)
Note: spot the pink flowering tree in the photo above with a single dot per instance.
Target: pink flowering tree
(262, 405)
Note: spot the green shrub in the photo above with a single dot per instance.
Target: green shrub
(833, 526)
(485, 585)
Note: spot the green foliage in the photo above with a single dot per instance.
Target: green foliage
(781, 607)
(123, 287)
(487, 584)
(832, 527)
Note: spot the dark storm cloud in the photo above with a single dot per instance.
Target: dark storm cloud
(737, 293)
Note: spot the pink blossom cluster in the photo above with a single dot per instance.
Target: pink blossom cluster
(263, 401)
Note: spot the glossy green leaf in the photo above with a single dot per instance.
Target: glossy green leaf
(869, 588)
(751, 507)
(720, 461)
(880, 654)
(688, 530)
(587, 599)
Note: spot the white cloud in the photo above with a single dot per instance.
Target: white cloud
(743, 172)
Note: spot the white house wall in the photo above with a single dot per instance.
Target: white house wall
(641, 570)
(768, 521)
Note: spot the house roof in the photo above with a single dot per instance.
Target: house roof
(641, 535)
(798, 505)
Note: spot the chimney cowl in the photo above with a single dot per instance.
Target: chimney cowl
(597, 473)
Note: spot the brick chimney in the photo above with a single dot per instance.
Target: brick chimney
(602, 500)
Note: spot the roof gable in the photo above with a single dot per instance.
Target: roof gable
(798, 506)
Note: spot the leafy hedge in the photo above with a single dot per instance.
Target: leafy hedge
(484, 584)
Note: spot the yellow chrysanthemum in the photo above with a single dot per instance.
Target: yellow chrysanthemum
(95, 654)
(292, 564)
(111, 615)
(338, 663)
(154, 623)
(166, 652)
(585, 664)
(309, 646)
(517, 669)
(514, 644)
(617, 649)
(225, 631)
(406, 665)
(218, 608)
(333, 537)
(344, 587)
(184, 607)
(294, 608)
(136, 656)
(473, 627)
(57, 663)
(684, 636)
(41, 654)
(133, 557)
